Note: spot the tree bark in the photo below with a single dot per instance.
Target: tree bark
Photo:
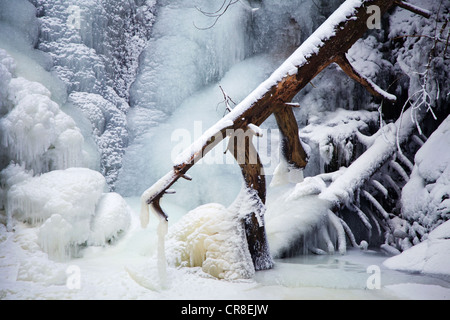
(253, 174)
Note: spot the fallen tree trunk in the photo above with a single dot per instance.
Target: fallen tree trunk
(328, 44)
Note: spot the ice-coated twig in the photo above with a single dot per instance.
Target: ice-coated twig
(326, 237)
(375, 203)
(417, 140)
(349, 232)
(216, 14)
(403, 159)
(226, 100)
(339, 230)
(363, 217)
(379, 187)
(393, 184)
(397, 167)
(375, 222)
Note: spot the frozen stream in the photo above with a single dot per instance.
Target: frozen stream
(128, 270)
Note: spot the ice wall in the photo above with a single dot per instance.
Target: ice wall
(95, 48)
(41, 144)
(34, 130)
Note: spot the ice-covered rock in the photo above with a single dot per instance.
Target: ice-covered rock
(94, 48)
(213, 238)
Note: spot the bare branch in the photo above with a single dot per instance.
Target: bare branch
(413, 8)
(346, 66)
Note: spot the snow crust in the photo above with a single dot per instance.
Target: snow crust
(47, 216)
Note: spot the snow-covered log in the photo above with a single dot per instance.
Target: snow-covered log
(327, 45)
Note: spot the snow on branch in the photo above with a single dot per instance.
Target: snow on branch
(413, 8)
(361, 170)
(346, 66)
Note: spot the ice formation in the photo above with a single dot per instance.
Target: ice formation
(70, 208)
(212, 238)
(94, 47)
(34, 129)
(297, 221)
(60, 213)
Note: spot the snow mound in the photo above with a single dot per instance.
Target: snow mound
(213, 238)
(431, 256)
(70, 210)
(425, 198)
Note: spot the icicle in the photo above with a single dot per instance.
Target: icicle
(362, 216)
(375, 221)
(340, 231)
(379, 187)
(405, 160)
(326, 237)
(417, 140)
(349, 233)
(375, 203)
(392, 184)
(397, 167)
(162, 268)
(145, 211)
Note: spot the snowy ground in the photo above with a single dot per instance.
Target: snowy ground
(128, 270)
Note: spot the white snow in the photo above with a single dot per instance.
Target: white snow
(112, 217)
(425, 204)
(62, 224)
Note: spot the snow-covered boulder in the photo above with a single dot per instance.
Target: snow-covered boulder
(426, 197)
(431, 256)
